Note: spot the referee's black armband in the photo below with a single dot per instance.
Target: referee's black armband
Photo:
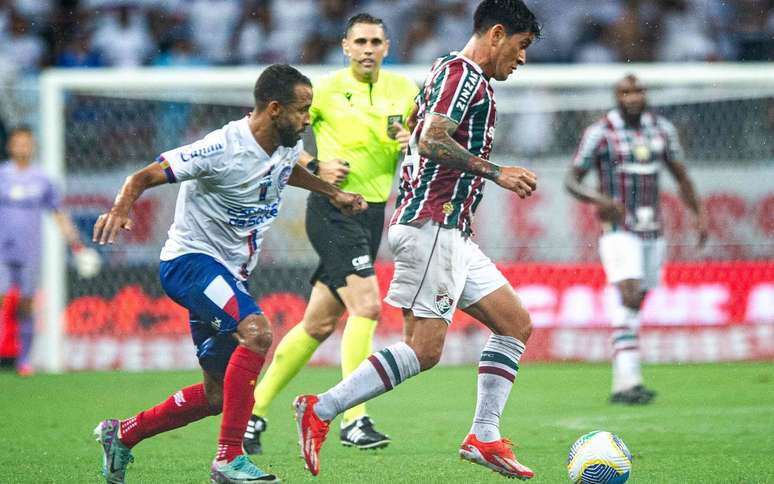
(314, 166)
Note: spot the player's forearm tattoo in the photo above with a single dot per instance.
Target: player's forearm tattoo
(437, 144)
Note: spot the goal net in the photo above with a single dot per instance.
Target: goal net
(98, 126)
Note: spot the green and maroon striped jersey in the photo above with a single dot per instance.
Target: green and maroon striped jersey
(458, 89)
(628, 160)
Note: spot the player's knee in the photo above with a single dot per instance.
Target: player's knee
(370, 308)
(523, 325)
(631, 299)
(255, 333)
(321, 328)
(428, 355)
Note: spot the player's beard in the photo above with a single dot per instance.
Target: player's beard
(287, 134)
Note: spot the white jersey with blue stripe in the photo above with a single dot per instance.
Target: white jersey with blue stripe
(230, 193)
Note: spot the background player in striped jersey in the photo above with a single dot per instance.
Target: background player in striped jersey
(231, 191)
(437, 265)
(627, 148)
(358, 115)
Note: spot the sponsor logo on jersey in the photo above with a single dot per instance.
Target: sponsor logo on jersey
(203, 151)
(251, 216)
(466, 92)
(447, 208)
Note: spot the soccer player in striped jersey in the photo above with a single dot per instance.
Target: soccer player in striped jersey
(230, 192)
(437, 265)
(628, 148)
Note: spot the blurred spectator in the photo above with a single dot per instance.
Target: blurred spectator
(137, 32)
(293, 20)
(455, 24)
(684, 34)
(22, 48)
(78, 52)
(212, 24)
(633, 34)
(598, 45)
(179, 52)
(255, 39)
(323, 45)
(755, 29)
(393, 13)
(422, 44)
(122, 36)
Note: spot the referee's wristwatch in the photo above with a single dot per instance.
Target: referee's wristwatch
(314, 166)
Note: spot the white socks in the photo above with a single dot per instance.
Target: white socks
(378, 374)
(497, 370)
(626, 351)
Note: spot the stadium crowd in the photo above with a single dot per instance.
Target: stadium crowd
(35, 34)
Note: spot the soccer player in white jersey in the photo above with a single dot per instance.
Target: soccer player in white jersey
(628, 148)
(230, 193)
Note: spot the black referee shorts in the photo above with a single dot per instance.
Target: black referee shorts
(345, 244)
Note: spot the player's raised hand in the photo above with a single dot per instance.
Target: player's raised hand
(108, 225)
(610, 211)
(334, 171)
(349, 203)
(518, 180)
(401, 135)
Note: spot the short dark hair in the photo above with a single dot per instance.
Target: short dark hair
(364, 18)
(514, 15)
(278, 83)
(20, 128)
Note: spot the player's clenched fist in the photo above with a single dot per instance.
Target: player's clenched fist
(334, 171)
(518, 180)
(107, 226)
(349, 203)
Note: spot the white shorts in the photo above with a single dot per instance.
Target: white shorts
(626, 256)
(438, 269)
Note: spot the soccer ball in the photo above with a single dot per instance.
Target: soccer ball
(599, 457)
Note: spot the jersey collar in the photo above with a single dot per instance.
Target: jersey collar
(475, 66)
(248, 140)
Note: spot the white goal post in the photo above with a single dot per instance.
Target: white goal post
(674, 83)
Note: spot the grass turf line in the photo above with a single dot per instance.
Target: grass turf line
(710, 423)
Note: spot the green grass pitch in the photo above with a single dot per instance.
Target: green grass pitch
(709, 424)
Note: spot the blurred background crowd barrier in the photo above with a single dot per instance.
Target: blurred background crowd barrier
(109, 107)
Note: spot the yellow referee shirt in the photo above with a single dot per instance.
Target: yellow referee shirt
(350, 120)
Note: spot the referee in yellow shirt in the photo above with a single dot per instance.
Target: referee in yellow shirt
(359, 119)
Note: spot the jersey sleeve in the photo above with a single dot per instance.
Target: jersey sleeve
(412, 97)
(674, 149)
(318, 100)
(589, 146)
(453, 91)
(196, 160)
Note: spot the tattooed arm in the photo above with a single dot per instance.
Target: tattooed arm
(436, 143)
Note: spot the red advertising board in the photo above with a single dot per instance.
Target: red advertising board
(703, 312)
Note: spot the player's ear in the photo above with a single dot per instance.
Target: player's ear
(274, 108)
(345, 47)
(497, 34)
(386, 47)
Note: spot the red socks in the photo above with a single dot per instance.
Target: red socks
(186, 406)
(238, 400)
